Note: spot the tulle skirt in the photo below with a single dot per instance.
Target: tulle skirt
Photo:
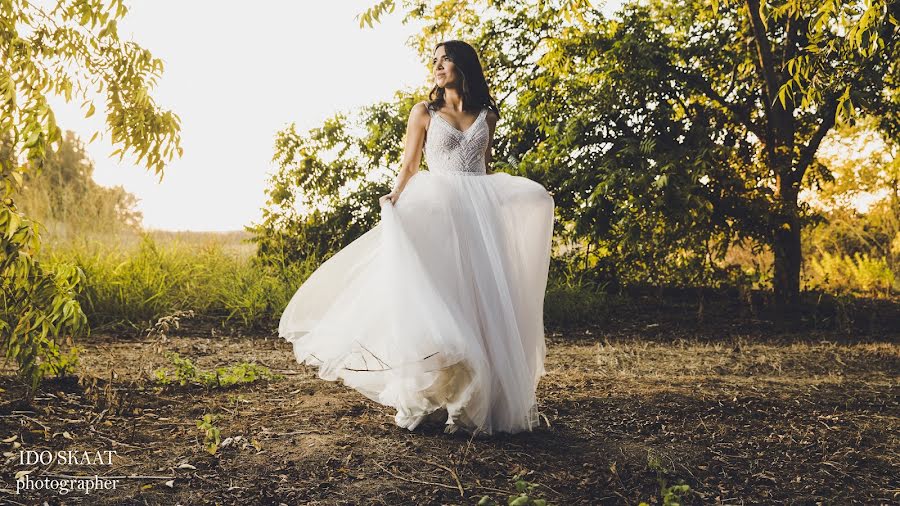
(440, 305)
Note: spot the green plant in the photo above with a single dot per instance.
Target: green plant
(187, 373)
(211, 433)
(859, 273)
(569, 305)
(63, 364)
(37, 302)
(671, 495)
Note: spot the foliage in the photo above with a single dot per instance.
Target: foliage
(859, 273)
(855, 246)
(62, 363)
(187, 373)
(324, 193)
(835, 38)
(858, 161)
(576, 293)
(36, 302)
(659, 133)
(72, 49)
(212, 436)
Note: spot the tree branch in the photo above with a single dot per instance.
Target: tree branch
(764, 49)
(809, 151)
(740, 114)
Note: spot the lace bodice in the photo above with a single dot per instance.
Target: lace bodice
(448, 150)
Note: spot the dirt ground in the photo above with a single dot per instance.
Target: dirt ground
(741, 414)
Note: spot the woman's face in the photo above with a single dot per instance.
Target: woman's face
(443, 67)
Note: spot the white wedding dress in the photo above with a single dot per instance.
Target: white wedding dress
(440, 305)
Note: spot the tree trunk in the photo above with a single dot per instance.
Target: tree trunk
(786, 246)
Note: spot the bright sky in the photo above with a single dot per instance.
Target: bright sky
(236, 74)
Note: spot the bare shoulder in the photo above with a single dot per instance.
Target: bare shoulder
(418, 116)
(419, 111)
(491, 117)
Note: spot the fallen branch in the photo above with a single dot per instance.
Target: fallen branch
(462, 492)
(411, 480)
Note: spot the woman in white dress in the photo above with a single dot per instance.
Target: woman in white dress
(439, 307)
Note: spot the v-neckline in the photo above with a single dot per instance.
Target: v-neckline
(478, 117)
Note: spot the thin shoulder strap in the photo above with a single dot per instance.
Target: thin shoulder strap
(430, 112)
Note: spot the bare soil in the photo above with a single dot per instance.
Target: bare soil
(741, 414)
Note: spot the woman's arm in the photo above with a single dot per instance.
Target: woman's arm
(412, 151)
(491, 118)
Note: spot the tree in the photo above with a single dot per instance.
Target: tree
(810, 64)
(325, 191)
(72, 49)
(682, 117)
(641, 169)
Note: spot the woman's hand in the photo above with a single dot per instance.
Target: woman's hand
(390, 197)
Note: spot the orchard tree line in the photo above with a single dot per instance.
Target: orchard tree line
(666, 137)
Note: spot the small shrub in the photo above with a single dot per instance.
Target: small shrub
(62, 364)
(859, 273)
(211, 435)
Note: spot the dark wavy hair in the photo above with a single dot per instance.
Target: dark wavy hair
(474, 88)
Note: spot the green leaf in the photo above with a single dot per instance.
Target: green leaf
(764, 13)
(14, 220)
(33, 139)
(522, 500)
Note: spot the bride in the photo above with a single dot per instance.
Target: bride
(439, 307)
